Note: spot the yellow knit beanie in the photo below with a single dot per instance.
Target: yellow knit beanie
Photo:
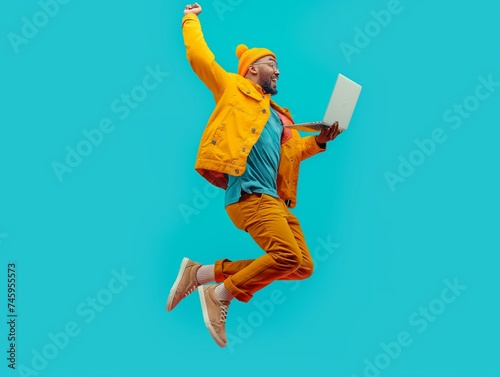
(249, 56)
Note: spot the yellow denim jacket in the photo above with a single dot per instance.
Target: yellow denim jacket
(240, 114)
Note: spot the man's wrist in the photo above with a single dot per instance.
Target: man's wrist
(321, 145)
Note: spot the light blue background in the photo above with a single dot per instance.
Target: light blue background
(120, 207)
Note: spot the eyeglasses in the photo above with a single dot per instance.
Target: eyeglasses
(273, 65)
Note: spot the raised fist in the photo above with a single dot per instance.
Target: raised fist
(192, 9)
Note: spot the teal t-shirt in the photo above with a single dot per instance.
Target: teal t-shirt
(262, 164)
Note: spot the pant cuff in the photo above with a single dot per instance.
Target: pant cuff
(219, 275)
(237, 293)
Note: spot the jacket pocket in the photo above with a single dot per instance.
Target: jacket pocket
(217, 135)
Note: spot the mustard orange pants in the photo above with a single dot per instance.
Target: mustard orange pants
(277, 231)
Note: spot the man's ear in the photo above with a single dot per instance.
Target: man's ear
(252, 70)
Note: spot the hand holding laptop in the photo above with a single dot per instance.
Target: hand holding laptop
(329, 133)
(340, 107)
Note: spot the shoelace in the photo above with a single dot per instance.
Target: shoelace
(191, 290)
(223, 313)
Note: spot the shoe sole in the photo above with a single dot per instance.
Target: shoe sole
(206, 318)
(171, 296)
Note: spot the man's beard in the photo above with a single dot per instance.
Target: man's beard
(268, 89)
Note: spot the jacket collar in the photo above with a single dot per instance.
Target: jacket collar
(251, 88)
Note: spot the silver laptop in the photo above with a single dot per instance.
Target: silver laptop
(340, 108)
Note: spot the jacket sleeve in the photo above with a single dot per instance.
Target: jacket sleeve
(201, 58)
(310, 147)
